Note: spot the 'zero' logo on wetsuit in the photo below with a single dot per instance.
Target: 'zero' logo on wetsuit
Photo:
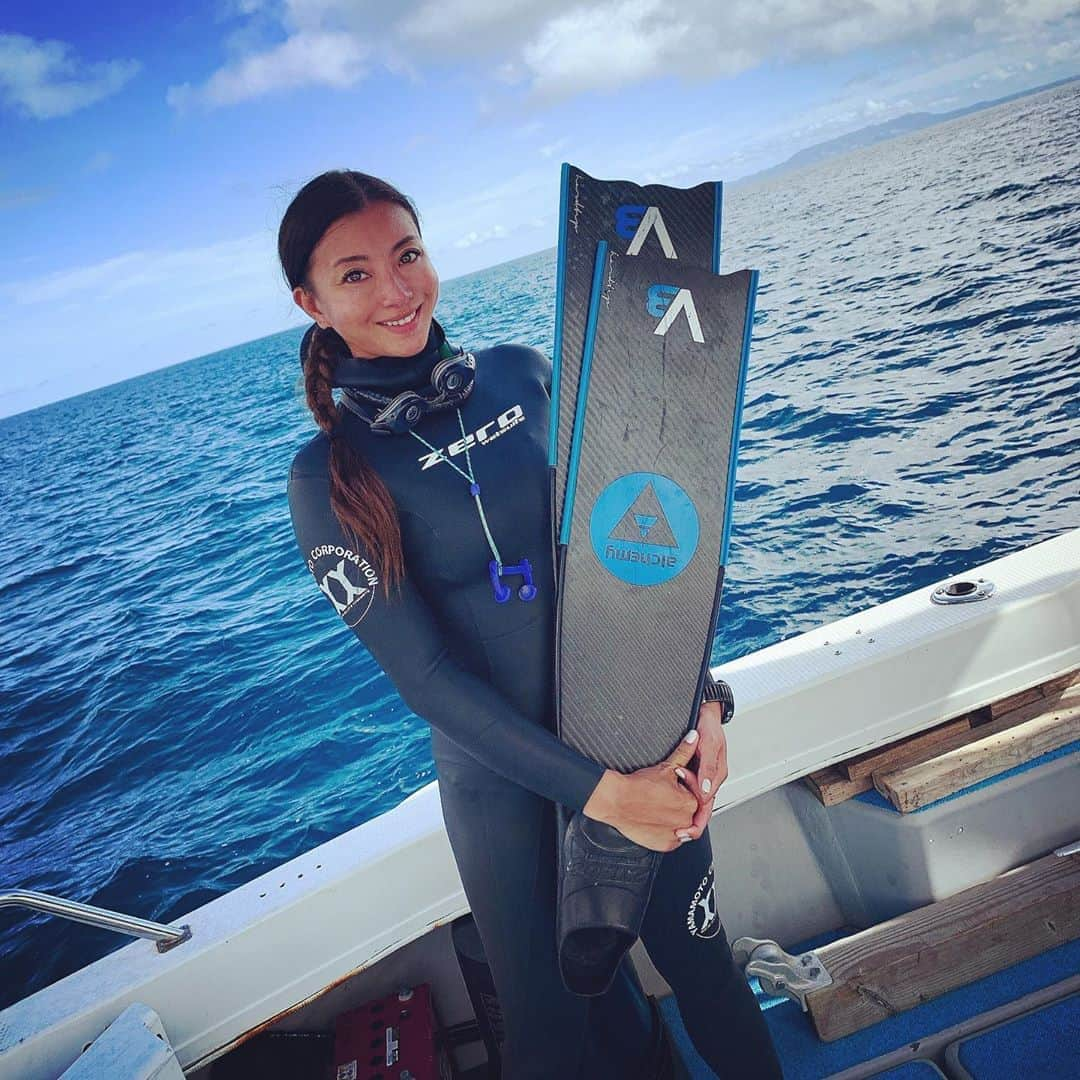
(483, 435)
(347, 579)
(702, 920)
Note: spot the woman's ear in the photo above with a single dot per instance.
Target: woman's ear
(306, 300)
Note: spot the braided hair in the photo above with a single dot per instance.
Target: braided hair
(359, 499)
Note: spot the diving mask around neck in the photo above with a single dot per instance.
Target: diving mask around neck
(451, 379)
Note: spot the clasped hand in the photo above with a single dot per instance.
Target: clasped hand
(667, 804)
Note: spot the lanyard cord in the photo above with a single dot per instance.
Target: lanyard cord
(474, 487)
(496, 569)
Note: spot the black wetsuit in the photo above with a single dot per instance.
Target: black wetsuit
(480, 673)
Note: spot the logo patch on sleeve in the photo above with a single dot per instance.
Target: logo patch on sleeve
(348, 580)
(702, 919)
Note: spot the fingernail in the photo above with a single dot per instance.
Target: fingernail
(691, 736)
(680, 773)
(682, 834)
(706, 785)
(685, 839)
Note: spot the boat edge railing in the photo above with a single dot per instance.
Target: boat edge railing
(165, 936)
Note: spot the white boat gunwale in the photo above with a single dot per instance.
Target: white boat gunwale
(264, 949)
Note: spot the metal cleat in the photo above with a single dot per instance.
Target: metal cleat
(778, 972)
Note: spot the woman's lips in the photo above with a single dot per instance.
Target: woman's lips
(396, 326)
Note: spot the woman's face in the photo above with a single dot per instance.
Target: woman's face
(370, 279)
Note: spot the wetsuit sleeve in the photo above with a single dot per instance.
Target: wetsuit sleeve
(403, 637)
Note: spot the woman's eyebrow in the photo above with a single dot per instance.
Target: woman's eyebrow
(410, 239)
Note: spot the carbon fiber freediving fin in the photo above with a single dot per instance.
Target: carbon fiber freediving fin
(646, 519)
(647, 397)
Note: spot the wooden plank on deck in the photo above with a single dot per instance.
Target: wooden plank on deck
(1015, 738)
(922, 954)
(1044, 691)
(902, 752)
(831, 786)
(845, 779)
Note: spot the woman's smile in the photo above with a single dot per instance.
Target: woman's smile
(404, 323)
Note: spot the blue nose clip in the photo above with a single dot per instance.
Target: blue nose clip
(502, 592)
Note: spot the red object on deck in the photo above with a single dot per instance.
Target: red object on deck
(393, 1038)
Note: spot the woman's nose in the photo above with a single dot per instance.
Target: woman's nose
(396, 289)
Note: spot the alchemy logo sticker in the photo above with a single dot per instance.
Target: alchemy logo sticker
(644, 528)
(702, 920)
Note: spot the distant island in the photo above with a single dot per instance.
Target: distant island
(875, 133)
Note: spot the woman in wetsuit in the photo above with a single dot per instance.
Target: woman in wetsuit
(401, 504)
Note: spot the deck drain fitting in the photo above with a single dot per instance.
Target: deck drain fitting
(963, 592)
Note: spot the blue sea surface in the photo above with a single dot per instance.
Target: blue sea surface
(180, 710)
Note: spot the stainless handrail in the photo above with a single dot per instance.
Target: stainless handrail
(166, 936)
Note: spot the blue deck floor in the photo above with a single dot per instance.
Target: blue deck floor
(806, 1057)
(1043, 1043)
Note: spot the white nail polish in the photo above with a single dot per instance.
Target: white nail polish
(706, 785)
(682, 834)
(691, 736)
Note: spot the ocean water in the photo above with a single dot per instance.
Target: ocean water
(180, 710)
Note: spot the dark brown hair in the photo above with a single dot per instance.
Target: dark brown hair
(359, 498)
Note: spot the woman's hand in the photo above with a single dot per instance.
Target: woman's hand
(656, 806)
(709, 763)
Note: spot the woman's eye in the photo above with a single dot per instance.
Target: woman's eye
(354, 275)
(411, 255)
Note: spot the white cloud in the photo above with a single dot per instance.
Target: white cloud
(562, 47)
(242, 7)
(104, 278)
(75, 329)
(1003, 15)
(476, 25)
(306, 59)
(1064, 50)
(472, 226)
(604, 47)
(472, 238)
(552, 148)
(44, 79)
(150, 271)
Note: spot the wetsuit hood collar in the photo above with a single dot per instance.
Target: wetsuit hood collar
(387, 375)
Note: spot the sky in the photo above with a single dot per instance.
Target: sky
(148, 152)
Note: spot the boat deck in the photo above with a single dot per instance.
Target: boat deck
(1051, 976)
(278, 959)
